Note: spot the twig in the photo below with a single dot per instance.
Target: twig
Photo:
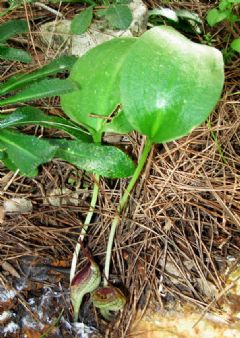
(49, 9)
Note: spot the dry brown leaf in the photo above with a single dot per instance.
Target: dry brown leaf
(9, 268)
(2, 214)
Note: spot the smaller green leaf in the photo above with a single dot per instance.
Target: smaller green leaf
(189, 21)
(14, 54)
(44, 88)
(235, 45)
(214, 16)
(225, 4)
(165, 12)
(118, 16)
(187, 15)
(107, 161)
(12, 28)
(82, 21)
(56, 66)
(180, 19)
(25, 152)
(31, 115)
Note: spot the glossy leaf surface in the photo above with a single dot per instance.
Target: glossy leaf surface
(56, 66)
(25, 152)
(38, 90)
(97, 74)
(106, 161)
(31, 115)
(169, 85)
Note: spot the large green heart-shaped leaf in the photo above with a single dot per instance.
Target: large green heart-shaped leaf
(97, 74)
(169, 85)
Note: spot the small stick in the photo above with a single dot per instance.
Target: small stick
(49, 9)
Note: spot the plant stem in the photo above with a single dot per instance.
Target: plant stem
(85, 227)
(97, 137)
(122, 204)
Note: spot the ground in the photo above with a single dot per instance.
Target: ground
(178, 239)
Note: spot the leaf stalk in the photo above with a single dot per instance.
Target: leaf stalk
(121, 206)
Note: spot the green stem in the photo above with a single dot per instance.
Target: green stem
(97, 137)
(85, 227)
(122, 204)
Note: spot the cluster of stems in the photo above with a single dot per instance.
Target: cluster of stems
(117, 217)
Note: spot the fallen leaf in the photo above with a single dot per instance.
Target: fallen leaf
(2, 215)
(9, 268)
(17, 205)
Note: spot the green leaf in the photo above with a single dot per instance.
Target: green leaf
(25, 152)
(169, 84)
(106, 161)
(118, 16)
(235, 45)
(189, 21)
(31, 115)
(11, 166)
(214, 16)
(97, 74)
(189, 16)
(82, 21)
(225, 4)
(165, 12)
(12, 28)
(38, 90)
(13, 54)
(181, 19)
(56, 66)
